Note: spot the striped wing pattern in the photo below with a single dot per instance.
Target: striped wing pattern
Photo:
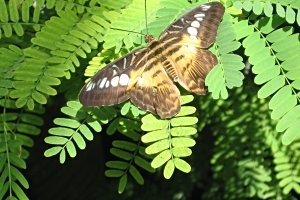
(145, 76)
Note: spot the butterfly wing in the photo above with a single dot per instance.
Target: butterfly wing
(133, 77)
(186, 41)
(110, 85)
(155, 92)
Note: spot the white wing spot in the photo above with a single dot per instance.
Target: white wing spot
(98, 82)
(107, 84)
(200, 15)
(199, 19)
(124, 79)
(205, 7)
(192, 31)
(191, 48)
(115, 81)
(114, 72)
(141, 80)
(102, 83)
(176, 26)
(124, 64)
(195, 24)
(89, 86)
(193, 37)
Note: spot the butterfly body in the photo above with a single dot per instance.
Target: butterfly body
(146, 75)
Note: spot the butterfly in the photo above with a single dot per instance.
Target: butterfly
(146, 76)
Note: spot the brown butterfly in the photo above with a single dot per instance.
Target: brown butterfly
(144, 75)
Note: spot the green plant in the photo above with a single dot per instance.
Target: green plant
(254, 129)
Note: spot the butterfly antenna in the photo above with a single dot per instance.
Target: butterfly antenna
(146, 21)
(119, 29)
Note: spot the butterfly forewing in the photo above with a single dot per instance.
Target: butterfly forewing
(109, 86)
(198, 27)
(143, 76)
(186, 40)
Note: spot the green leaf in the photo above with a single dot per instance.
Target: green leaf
(183, 131)
(280, 10)
(121, 154)
(5, 188)
(86, 132)
(257, 7)
(72, 123)
(161, 158)
(52, 151)
(129, 146)
(169, 169)
(290, 15)
(125, 108)
(292, 133)
(155, 136)
(185, 99)
(18, 191)
(158, 146)
(181, 151)
(271, 87)
(247, 5)
(288, 119)
(19, 176)
(3, 13)
(141, 162)
(17, 161)
(183, 142)
(61, 131)
(182, 165)
(38, 97)
(79, 140)
(183, 121)
(151, 123)
(186, 110)
(284, 105)
(95, 125)
(268, 9)
(112, 128)
(122, 184)
(298, 18)
(114, 173)
(56, 140)
(62, 156)
(117, 164)
(71, 149)
(136, 175)
(242, 29)
(21, 102)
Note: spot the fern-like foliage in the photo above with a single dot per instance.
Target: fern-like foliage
(254, 134)
(171, 139)
(284, 8)
(75, 129)
(130, 153)
(227, 72)
(17, 128)
(266, 47)
(63, 40)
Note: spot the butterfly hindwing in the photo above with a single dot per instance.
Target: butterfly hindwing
(155, 92)
(192, 67)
